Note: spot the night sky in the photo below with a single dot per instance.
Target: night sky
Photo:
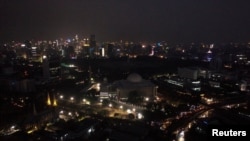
(134, 20)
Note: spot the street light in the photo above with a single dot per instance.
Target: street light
(101, 101)
(84, 100)
(72, 99)
(133, 109)
(140, 116)
(110, 105)
(13, 127)
(44, 57)
(61, 96)
(128, 111)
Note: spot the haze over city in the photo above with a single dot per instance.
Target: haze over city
(141, 20)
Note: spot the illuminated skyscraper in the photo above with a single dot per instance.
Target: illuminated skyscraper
(86, 42)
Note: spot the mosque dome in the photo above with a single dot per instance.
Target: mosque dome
(134, 77)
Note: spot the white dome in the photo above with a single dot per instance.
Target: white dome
(134, 77)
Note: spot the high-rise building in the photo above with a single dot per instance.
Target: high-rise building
(92, 41)
(216, 63)
(28, 46)
(93, 47)
(86, 42)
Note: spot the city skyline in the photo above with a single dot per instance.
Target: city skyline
(121, 70)
(174, 21)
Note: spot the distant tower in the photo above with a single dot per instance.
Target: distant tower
(86, 42)
(94, 49)
(77, 38)
(48, 100)
(28, 47)
(110, 51)
(92, 41)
